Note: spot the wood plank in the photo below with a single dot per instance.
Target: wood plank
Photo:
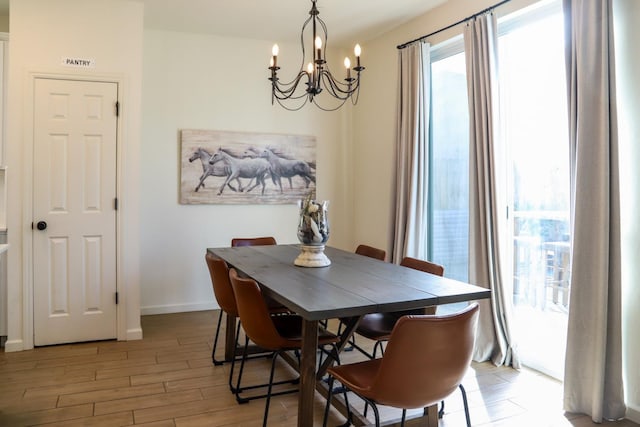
(170, 376)
(110, 394)
(79, 387)
(140, 370)
(109, 420)
(159, 400)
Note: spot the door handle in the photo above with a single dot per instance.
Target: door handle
(41, 225)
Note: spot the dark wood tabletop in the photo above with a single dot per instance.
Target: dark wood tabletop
(353, 285)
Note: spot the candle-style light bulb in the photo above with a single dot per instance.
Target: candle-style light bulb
(318, 43)
(347, 63)
(357, 51)
(274, 55)
(310, 68)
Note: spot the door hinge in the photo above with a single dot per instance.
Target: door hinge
(117, 108)
(117, 298)
(115, 205)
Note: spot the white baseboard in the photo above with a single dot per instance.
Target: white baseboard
(177, 308)
(134, 334)
(13, 345)
(633, 414)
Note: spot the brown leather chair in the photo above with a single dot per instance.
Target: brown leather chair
(371, 252)
(426, 359)
(275, 333)
(378, 326)
(236, 242)
(219, 272)
(426, 266)
(223, 292)
(253, 241)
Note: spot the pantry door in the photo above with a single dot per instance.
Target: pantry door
(74, 211)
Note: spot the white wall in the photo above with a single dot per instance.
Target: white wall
(627, 36)
(42, 33)
(193, 81)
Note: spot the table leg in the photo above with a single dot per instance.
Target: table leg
(307, 372)
(230, 339)
(350, 326)
(432, 416)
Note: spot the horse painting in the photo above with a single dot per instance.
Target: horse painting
(238, 167)
(242, 168)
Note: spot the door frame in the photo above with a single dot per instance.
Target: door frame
(27, 202)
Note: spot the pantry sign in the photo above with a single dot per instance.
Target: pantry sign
(79, 62)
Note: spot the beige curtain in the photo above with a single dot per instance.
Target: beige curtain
(487, 205)
(412, 160)
(593, 368)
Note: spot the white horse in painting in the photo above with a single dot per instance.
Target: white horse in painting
(287, 168)
(242, 168)
(211, 170)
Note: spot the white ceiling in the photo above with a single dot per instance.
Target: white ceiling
(348, 21)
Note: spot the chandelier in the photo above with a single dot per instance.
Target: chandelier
(316, 76)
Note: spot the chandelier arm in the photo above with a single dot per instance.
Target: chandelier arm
(315, 102)
(304, 52)
(332, 87)
(339, 89)
(289, 89)
(286, 107)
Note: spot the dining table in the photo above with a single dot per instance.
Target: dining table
(351, 286)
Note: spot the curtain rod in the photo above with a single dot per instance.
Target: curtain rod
(403, 45)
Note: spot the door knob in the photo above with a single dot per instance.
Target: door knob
(41, 225)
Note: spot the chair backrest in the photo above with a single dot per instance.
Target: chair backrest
(425, 359)
(253, 241)
(371, 252)
(426, 266)
(219, 272)
(254, 313)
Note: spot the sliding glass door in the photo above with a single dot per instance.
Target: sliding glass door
(534, 128)
(533, 117)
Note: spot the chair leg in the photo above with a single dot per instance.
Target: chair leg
(233, 363)
(326, 408)
(466, 405)
(266, 406)
(236, 390)
(375, 413)
(375, 348)
(441, 411)
(404, 417)
(215, 343)
(329, 397)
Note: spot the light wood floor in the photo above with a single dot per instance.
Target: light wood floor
(167, 379)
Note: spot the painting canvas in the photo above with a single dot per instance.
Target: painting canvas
(245, 168)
